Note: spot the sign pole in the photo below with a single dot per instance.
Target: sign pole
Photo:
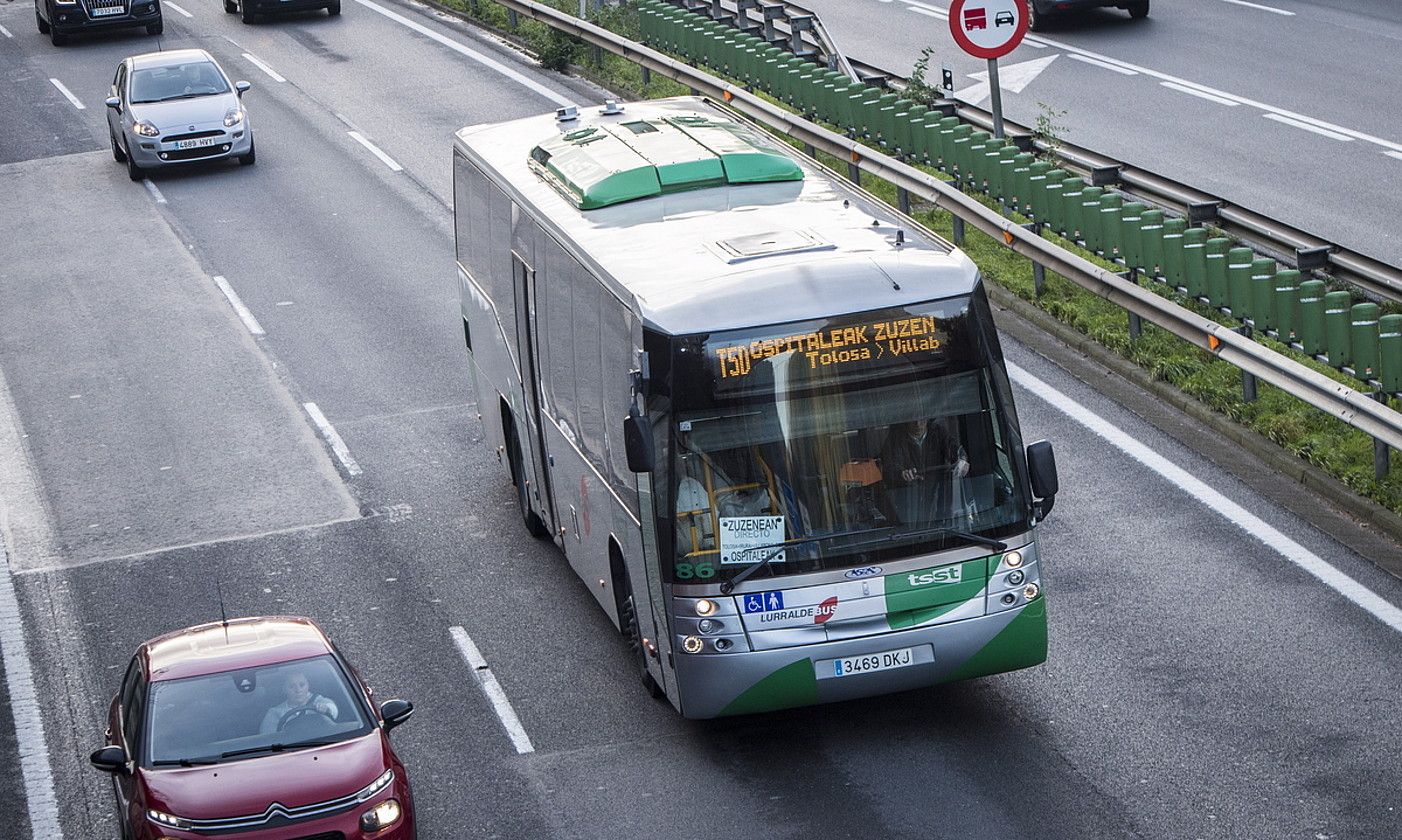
(997, 93)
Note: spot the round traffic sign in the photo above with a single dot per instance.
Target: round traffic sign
(988, 28)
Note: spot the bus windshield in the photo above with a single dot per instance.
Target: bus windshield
(887, 430)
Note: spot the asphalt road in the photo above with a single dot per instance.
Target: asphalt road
(1200, 684)
(1286, 107)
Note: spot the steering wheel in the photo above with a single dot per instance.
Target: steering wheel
(300, 712)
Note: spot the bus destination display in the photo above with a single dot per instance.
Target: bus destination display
(883, 340)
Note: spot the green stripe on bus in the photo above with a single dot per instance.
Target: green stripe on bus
(1022, 644)
(794, 684)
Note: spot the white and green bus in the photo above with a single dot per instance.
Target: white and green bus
(766, 418)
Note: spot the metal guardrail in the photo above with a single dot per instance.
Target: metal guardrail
(1346, 404)
(1291, 246)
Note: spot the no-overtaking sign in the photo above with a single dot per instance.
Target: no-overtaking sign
(988, 28)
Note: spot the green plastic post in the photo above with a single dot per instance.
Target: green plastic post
(1151, 240)
(1171, 265)
(1262, 293)
(1239, 282)
(1107, 225)
(1088, 212)
(1390, 353)
(1216, 262)
(1034, 200)
(1337, 306)
(1195, 262)
(1312, 317)
(1131, 219)
(1363, 335)
(1021, 174)
(1286, 305)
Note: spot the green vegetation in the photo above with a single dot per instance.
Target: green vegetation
(1309, 434)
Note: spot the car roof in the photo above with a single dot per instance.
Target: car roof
(241, 643)
(167, 58)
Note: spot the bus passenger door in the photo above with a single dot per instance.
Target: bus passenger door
(528, 351)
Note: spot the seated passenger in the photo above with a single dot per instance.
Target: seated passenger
(297, 694)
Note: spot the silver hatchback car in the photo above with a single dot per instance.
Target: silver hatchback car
(168, 108)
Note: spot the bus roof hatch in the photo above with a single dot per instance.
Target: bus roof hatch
(605, 164)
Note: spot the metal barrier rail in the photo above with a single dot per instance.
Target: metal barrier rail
(1344, 403)
(1305, 251)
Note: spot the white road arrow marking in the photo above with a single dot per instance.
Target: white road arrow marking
(1012, 78)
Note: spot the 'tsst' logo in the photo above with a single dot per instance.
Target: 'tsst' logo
(942, 575)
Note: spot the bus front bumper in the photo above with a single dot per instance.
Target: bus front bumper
(760, 681)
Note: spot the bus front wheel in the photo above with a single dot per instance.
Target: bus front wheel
(635, 640)
(535, 526)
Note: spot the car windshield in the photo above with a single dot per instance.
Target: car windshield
(177, 81)
(853, 440)
(252, 711)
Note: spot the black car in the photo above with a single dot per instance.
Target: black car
(249, 9)
(1041, 11)
(60, 18)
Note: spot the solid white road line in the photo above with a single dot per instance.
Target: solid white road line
(1210, 97)
(68, 93)
(1214, 500)
(24, 706)
(1259, 6)
(1307, 127)
(169, 5)
(1397, 155)
(328, 431)
(461, 49)
(155, 193)
(927, 12)
(1123, 71)
(375, 150)
(244, 313)
(485, 678)
(922, 9)
(5, 32)
(256, 62)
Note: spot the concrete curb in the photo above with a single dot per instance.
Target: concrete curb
(1330, 489)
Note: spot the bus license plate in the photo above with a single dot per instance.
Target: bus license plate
(871, 662)
(197, 143)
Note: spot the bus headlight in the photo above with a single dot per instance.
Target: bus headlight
(709, 625)
(692, 644)
(705, 606)
(1031, 591)
(723, 645)
(1013, 559)
(1015, 577)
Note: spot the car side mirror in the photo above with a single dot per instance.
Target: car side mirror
(1041, 468)
(242, 87)
(395, 712)
(109, 759)
(114, 103)
(637, 440)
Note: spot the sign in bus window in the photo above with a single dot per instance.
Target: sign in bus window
(866, 347)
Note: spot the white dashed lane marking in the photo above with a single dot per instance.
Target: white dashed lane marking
(68, 94)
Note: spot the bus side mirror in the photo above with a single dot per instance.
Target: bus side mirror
(637, 440)
(1041, 467)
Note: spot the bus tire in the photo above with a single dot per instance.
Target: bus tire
(535, 526)
(629, 619)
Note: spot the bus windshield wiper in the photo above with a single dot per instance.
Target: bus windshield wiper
(778, 548)
(930, 532)
(275, 748)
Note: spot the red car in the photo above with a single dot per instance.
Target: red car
(256, 728)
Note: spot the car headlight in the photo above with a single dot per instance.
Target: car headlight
(233, 117)
(167, 820)
(381, 816)
(375, 787)
(146, 129)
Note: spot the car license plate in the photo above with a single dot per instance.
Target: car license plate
(871, 662)
(108, 10)
(196, 143)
